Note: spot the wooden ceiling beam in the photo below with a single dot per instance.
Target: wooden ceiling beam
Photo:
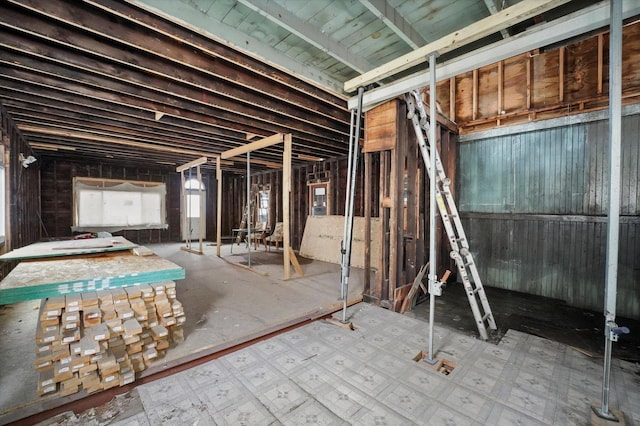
(177, 98)
(154, 72)
(503, 19)
(200, 114)
(252, 146)
(106, 139)
(157, 44)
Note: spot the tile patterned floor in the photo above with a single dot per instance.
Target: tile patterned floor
(325, 375)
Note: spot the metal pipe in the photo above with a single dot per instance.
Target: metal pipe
(613, 217)
(349, 214)
(433, 144)
(249, 208)
(347, 200)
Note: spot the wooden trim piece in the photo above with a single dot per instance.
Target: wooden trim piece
(262, 143)
(191, 164)
(489, 25)
(367, 222)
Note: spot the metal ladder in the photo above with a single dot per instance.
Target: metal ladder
(451, 220)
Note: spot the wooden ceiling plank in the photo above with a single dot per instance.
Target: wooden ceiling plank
(503, 19)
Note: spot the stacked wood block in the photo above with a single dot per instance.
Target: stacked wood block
(99, 340)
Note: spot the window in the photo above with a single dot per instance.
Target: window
(114, 205)
(263, 207)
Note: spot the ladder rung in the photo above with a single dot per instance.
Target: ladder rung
(485, 316)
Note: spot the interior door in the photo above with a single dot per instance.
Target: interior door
(193, 208)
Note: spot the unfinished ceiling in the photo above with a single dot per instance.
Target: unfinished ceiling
(160, 83)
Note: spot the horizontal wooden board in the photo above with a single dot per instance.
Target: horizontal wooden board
(323, 237)
(50, 278)
(69, 248)
(380, 127)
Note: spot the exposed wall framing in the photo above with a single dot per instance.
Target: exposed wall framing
(542, 84)
(402, 191)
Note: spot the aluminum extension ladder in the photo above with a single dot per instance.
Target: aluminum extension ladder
(448, 211)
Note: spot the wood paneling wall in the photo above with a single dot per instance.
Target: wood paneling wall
(57, 198)
(534, 205)
(542, 84)
(22, 204)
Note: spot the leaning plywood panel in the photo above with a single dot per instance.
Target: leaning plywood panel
(69, 248)
(42, 279)
(323, 235)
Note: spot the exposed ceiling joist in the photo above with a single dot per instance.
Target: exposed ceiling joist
(493, 8)
(310, 34)
(489, 25)
(575, 24)
(176, 12)
(394, 20)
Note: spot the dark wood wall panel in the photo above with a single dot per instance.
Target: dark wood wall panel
(22, 218)
(57, 198)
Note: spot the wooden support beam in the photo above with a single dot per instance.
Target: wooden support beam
(219, 206)
(191, 164)
(367, 222)
(529, 70)
(600, 62)
(474, 90)
(295, 263)
(504, 19)
(286, 193)
(500, 88)
(262, 143)
(26, 128)
(561, 53)
(452, 99)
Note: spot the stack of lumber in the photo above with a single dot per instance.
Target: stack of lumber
(100, 339)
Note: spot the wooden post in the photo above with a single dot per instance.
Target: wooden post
(286, 192)
(561, 74)
(219, 207)
(367, 222)
(600, 62)
(474, 90)
(500, 89)
(452, 98)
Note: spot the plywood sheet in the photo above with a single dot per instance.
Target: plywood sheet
(323, 236)
(69, 248)
(50, 278)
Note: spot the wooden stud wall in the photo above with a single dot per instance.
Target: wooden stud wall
(22, 189)
(541, 84)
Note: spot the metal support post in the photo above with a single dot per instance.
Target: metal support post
(249, 208)
(354, 149)
(611, 330)
(433, 271)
